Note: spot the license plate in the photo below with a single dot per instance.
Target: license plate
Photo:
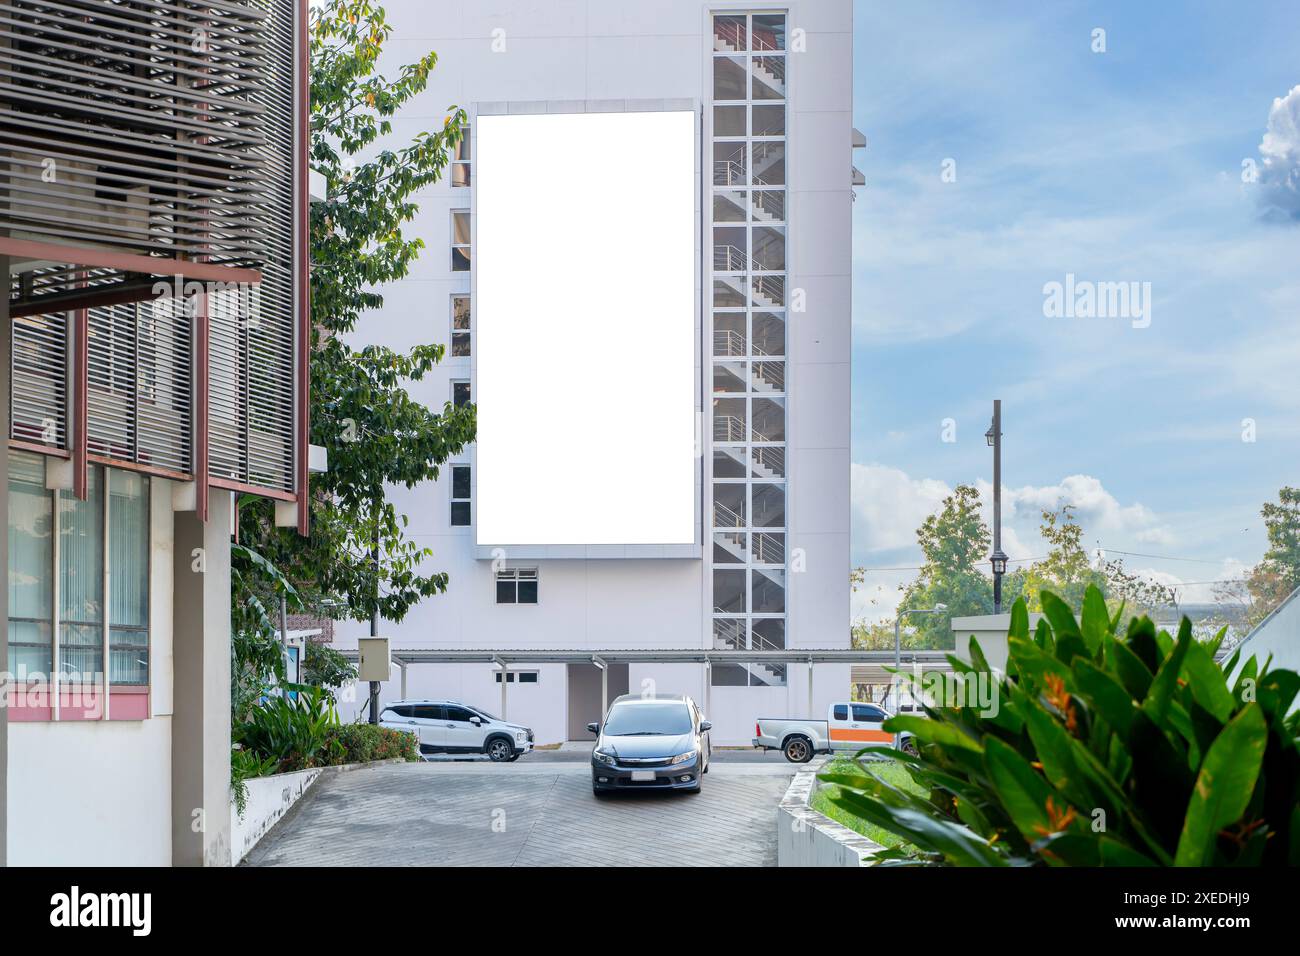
(642, 776)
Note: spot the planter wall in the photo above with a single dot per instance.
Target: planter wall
(805, 837)
(269, 799)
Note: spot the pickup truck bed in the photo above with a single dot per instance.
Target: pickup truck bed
(848, 728)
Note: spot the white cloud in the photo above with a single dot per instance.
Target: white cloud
(888, 506)
(1279, 175)
(1097, 510)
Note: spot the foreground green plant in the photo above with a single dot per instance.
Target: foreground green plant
(1103, 751)
(292, 731)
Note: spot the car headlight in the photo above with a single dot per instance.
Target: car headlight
(682, 758)
(603, 758)
(519, 736)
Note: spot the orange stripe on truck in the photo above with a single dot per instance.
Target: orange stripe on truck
(862, 736)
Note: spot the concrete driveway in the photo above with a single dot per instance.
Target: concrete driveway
(526, 814)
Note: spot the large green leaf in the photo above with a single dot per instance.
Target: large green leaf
(1224, 785)
(1094, 624)
(1105, 695)
(1023, 792)
(1206, 682)
(932, 731)
(1161, 695)
(959, 845)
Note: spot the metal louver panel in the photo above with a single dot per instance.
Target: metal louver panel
(110, 396)
(135, 124)
(39, 380)
(251, 353)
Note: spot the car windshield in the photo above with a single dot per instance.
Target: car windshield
(648, 720)
(485, 715)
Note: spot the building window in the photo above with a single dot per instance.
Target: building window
(54, 528)
(521, 677)
(460, 164)
(461, 327)
(517, 586)
(460, 393)
(460, 236)
(460, 496)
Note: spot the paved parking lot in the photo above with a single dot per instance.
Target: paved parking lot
(526, 814)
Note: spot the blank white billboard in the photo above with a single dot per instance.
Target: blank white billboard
(584, 320)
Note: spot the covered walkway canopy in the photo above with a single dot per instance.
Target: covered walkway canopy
(404, 657)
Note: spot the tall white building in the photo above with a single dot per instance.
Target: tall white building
(640, 266)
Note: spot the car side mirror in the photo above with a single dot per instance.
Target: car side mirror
(593, 728)
(476, 721)
(706, 725)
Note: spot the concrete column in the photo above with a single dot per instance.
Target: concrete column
(201, 718)
(6, 343)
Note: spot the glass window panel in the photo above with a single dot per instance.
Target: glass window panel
(460, 518)
(729, 164)
(730, 78)
(729, 121)
(31, 556)
(460, 394)
(81, 579)
(506, 592)
(769, 420)
(729, 506)
(730, 33)
(768, 376)
(460, 312)
(768, 548)
(528, 592)
(766, 675)
(768, 508)
(730, 248)
(769, 591)
(768, 205)
(729, 377)
(729, 207)
(729, 633)
(768, 461)
(768, 290)
(729, 548)
(728, 675)
(769, 77)
(769, 333)
(729, 463)
(460, 345)
(768, 163)
(729, 419)
(128, 525)
(769, 31)
(463, 147)
(460, 481)
(729, 293)
(728, 334)
(728, 591)
(460, 174)
(769, 120)
(460, 228)
(460, 260)
(768, 633)
(769, 248)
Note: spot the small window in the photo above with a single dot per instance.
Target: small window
(841, 712)
(460, 241)
(461, 714)
(522, 677)
(460, 164)
(517, 586)
(427, 712)
(867, 712)
(461, 327)
(460, 393)
(460, 496)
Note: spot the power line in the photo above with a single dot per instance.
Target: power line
(1158, 557)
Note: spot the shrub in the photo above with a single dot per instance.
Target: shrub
(245, 765)
(1103, 751)
(293, 731)
(359, 743)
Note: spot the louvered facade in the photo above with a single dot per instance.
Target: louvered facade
(150, 148)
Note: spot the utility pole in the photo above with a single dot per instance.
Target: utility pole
(374, 617)
(997, 558)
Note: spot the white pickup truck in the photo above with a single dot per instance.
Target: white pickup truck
(848, 727)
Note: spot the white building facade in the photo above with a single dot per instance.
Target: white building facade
(769, 89)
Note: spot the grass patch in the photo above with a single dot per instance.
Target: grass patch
(892, 773)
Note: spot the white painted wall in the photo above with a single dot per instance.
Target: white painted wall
(269, 799)
(592, 50)
(99, 793)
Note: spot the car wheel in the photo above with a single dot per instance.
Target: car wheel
(512, 758)
(498, 749)
(908, 746)
(798, 750)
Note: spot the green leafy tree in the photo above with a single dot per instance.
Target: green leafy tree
(358, 559)
(956, 544)
(1066, 571)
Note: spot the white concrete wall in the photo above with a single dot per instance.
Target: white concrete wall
(805, 837)
(585, 50)
(269, 799)
(99, 793)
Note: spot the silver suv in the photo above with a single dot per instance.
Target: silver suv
(450, 727)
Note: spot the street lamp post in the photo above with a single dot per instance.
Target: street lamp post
(898, 639)
(997, 558)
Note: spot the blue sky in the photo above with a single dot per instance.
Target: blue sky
(1122, 166)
